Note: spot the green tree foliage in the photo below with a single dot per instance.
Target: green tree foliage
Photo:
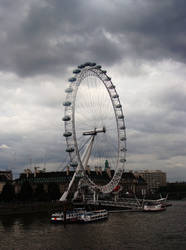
(26, 193)
(53, 191)
(40, 194)
(8, 193)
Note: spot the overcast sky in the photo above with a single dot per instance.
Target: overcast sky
(141, 44)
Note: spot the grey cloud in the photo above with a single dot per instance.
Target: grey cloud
(173, 98)
(53, 35)
(49, 37)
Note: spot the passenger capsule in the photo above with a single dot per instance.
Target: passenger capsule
(104, 71)
(87, 64)
(123, 138)
(123, 150)
(74, 164)
(76, 71)
(67, 134)
(93, 64)
(118, 106)
(98, 67)
(122, 127)
(122, 160)
(120, 116)
(111, 87)
(69, 90)
(67, 103)
(81, 66)
(66, 118)
(70, 150)
(115, 96)
(73, 79)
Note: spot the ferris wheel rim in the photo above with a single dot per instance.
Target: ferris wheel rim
(81, 73)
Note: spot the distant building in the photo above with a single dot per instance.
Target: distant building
(129, 182)
(153, 178)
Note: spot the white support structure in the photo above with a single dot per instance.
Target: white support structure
(85, 158)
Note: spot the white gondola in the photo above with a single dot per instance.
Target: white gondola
(120, 117)
(123, 150)
(66, 118)
(72, 79)
(67, 134)
(111, 87)
(108, 78)
(93, 64)
(115, 96)
(118, 106)
(69, 90)
(67, 103)
(81, 66)
(123, 138)
(76, 71)
(70, 150)
(74, 164)
(87, 64)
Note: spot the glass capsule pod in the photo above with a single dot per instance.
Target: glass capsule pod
(120, 116)
(67, 134)
(67, 103)
(69, 90)
(70, 150)
(72, 79)
(76, 71)
(66, 118)
(74, 164)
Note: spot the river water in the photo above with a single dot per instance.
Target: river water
(125, 230)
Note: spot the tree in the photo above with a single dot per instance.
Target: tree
(53, 191)
(8, 192)
(40, 194)
(26, 192)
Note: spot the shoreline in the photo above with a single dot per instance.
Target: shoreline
(28, 208)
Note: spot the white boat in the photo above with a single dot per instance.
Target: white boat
(153, 207)
(60, 217)
(93, 216)
(68, 217)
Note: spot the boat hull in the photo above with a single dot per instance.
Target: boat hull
(93, 216)
(154, 208)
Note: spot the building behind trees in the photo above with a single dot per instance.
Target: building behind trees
(154, 178)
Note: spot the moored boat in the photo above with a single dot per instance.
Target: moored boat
(93, 216)
(68, 216)
(153, 207)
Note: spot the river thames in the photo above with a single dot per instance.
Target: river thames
(125, 230)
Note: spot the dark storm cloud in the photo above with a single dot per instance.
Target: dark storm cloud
(45, 37)
(48, 37)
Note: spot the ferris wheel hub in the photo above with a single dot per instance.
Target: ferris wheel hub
(95, 131)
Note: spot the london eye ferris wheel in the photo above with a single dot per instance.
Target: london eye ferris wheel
(94, 124)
